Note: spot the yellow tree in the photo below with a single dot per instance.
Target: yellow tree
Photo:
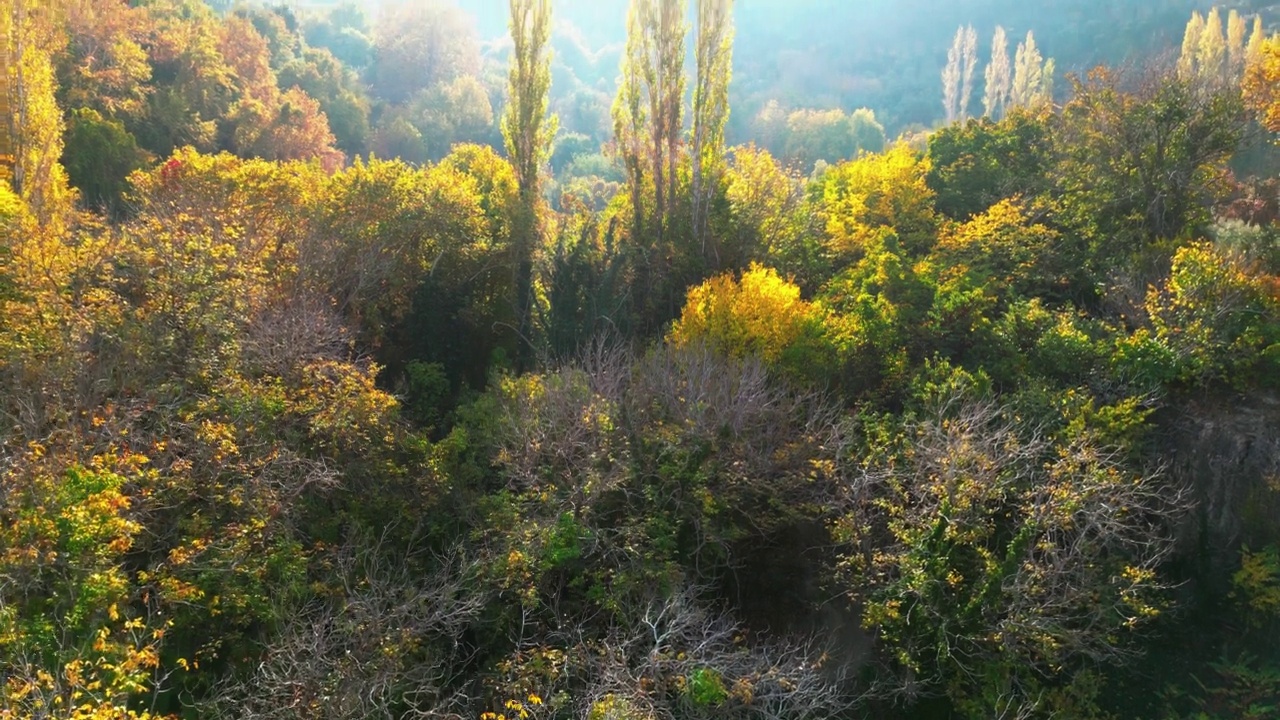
(1213, 48)
(761, 315)
(31, 137)
(1256, 38)
(1236, 31)
(1262, 82)
(1188, 61)
(104, 66)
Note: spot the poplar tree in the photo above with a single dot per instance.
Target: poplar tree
(998, 77)
(957, 76)
(1212, 54)
(630, 118)
(1188, 61)
(666, 99)
(32, 127)
(528, 132)
(1253, 50)
(969, 58)
(1236, 31)
(653, 75)
(714, 58)
(951, 78)
(1029, 75)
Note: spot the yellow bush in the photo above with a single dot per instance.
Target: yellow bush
(760, 315)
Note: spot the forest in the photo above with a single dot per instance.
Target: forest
(644, 360)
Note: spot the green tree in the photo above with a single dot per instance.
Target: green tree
(1139, 166)
(100, 155)
(997, 566)
(974, 166)
(653, 78)
(528, 133)
(714, 59)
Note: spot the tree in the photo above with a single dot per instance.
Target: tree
(714, 58)
(1032, 76)
(999, 77)
(868, 133)
(419, 45)
(974, 166)
(1256, 40)
(100, 155)
(104, 65)
(988, 558)
(30, 35)
(341, 96)
(528, 134)
(830, 136)
(667, 31)
(299, 131)
(761, 315)
(865, 200)
(957, 77)
(769, 128)
(451, 113)
(1189, 60)
(1236, 30)
(1139, 165)
(1211, 54)
(1261, 80)
(630, 115)
(653, 75)
(395, 138)
(764, 203)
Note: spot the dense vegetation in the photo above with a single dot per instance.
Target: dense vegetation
(351, 369)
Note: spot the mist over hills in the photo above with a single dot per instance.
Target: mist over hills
(881, 54)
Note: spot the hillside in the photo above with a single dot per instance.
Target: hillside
(381, 367)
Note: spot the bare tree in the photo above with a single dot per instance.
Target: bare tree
(387, 646)
(651, 667)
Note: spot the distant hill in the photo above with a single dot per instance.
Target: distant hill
(881, 54)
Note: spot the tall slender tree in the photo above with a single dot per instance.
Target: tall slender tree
(969, 57)
(998, 77)
(630, 115)
(1237, 29)
(653, 74)
(30, 34)
(957, 76)
(528, 132)
(1257, 37)
(951, 78)
(1188, 61)
(1212, 53)
(667, 94)
(1030, 72)
(714, 57)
